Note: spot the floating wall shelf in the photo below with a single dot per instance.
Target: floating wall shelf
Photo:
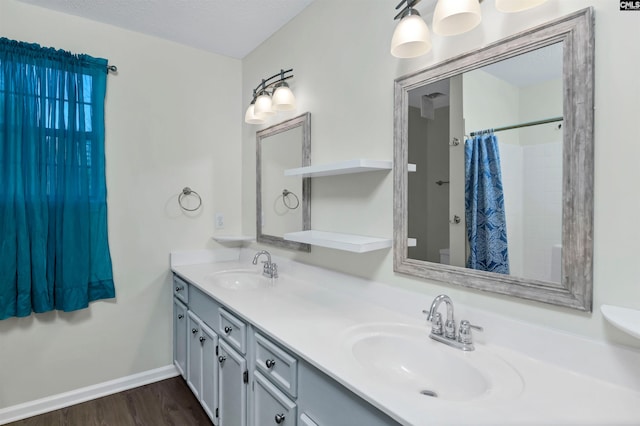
(346, 242)
(626, 319)
(340, 168)
(226, 239)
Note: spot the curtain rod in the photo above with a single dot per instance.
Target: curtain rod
(517, 126)
(112, 68)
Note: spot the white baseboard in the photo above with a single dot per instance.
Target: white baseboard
(66, 399)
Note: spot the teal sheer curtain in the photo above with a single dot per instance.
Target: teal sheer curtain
(54, 252)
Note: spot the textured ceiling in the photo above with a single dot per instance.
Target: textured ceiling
(227, 27)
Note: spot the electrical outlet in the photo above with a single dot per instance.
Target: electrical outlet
(219, 221)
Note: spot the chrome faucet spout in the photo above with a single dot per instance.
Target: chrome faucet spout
(270, 269)
(436, 304)
(260, 253)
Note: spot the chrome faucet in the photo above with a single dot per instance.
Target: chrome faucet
(269, 269)
(463, 340)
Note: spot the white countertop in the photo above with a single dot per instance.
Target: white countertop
(309, 310)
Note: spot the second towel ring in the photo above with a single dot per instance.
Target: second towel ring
(185, 192)
(285, 199)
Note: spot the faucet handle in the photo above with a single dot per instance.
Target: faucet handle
(436, 322)
(464, 333)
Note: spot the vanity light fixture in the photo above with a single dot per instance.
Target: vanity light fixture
(509, 6)
(453, 17)
(270, 96)
(411, 37)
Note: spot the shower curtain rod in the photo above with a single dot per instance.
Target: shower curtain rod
(517, 126)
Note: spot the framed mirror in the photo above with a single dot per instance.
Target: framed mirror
(501, 199)
(283, 203)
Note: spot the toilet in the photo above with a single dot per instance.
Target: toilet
(444, 256)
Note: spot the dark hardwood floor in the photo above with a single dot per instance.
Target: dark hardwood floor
(165, 403)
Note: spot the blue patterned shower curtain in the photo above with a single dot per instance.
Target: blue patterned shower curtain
(484, 206)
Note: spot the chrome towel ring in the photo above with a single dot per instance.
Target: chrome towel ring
(186, 191)
(287, 202)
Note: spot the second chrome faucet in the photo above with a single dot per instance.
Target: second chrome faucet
(463, 339)
(269, 269)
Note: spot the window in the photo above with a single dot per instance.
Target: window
(54, 251)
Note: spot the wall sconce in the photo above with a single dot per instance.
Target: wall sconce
(509, 6)
(270, 96)
(411, 37)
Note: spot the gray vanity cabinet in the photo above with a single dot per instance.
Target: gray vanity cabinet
(270, 405)
(180, 337)
(202, 364)
(324, 402)
(233, 386)
(275, 384)
(242, 378)
(209, 395)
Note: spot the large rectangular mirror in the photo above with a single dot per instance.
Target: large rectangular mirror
(283, 203)
(502, 139)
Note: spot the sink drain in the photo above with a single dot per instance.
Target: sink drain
(428, 392)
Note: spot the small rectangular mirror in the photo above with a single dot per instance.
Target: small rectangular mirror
(283, 204)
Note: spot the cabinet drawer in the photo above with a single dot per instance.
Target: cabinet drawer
(181, 290)
(271, 406)
(280, 367)
(233, 330)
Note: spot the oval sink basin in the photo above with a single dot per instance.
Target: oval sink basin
(240, 279)
(404, 357)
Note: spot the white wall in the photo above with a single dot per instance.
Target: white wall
(344, 74)
(172, 120)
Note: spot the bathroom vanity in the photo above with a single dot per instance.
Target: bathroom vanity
(316, 347)
(240, 372)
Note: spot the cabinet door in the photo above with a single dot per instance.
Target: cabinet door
(180, 337)
(270, 405)
(194, 355)
(233, 386)
(209, 394)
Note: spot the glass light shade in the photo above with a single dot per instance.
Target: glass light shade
(250, 116)
(411, 38)
(263, 105)
(517, 5)
(453, 17)
(283, 99)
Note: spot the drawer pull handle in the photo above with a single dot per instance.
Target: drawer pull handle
(194, 330)
(179, 288)
(222, 359)
(202, 339)
(270, 363)
(180, 316)
(228, 330)
(279, 418)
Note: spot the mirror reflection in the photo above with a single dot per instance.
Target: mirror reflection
(492, 201)
(502, 140)
(283, 203)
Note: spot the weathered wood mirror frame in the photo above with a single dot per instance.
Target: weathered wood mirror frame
(576, 33)
(303, 121)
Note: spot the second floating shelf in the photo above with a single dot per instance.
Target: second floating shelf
(340, 168)
(346, 242)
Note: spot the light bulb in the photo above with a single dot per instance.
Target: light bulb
(453, 17)
(517, 5)
(263, 105)
(251, 117)
(411, 37)
(283, 99)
